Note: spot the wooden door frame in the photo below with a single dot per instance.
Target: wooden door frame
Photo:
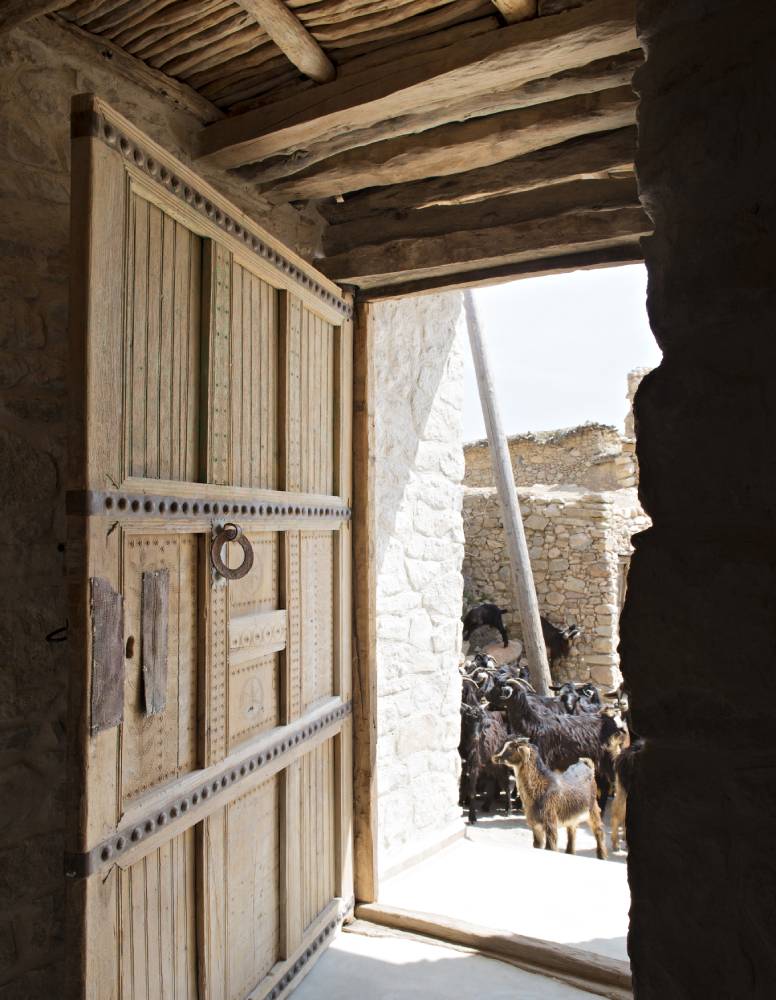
(364, 613)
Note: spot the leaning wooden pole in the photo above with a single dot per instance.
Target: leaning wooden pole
(522, 576)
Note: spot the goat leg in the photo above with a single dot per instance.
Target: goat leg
(571, 836)
(552, 837)
(597, 826)
(472, 776)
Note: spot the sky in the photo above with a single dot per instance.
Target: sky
(560, 348)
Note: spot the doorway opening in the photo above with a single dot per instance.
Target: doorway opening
(567, 352)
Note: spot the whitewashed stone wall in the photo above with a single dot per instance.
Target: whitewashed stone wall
(419, 545)
(579, 544)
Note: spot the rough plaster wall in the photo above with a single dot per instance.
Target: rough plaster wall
(419, 545)
(590, 455)
(575, 541)
(35, 88)
(699, 628)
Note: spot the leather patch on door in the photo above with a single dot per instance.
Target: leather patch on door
(107, 613)
(155, 604)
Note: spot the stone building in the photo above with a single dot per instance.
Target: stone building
(342, 155)
(580, 507)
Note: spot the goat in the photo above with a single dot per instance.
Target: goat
(577, 698)
(563, 739)
(623, 777)
(621, 702)
(485, 735)
(559, 641)
(551, 800)
(485, 614)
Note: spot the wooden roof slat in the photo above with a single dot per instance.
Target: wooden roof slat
(516, 10)
(511, 56)
(411, 27)
(251, 62)
(376, 13)
(603, 74)
(292, 38)
(449, 149)
(386, 16)
(137, 32)
(107, 19)
(587, 156)
(208, 31)
(538, 203)
(573, 232)
(163, 44)
(222, 44)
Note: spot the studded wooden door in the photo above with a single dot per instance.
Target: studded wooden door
(209, 829)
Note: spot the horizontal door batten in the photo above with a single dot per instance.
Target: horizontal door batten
(205, 791)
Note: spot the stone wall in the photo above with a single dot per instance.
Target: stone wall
(698, 627)
(36, 83)
(579, 544)
(635, 378)
(419, 546)
(591, 456)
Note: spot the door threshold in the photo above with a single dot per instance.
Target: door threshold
(597, 974)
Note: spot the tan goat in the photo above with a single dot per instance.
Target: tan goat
(554, 798)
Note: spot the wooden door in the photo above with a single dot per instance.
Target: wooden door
(209, 828)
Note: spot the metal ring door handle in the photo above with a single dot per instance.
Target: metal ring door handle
(231, 532)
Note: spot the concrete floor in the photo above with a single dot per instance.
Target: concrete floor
(493, 877)
(394, 967)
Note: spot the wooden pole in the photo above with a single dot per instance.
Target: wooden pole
(522, 576)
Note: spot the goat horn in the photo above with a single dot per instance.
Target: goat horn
(469, 680)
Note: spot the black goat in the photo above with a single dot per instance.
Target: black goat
(563, 739)
(559, 641)
(485, 614)
(578, 698)
(483, 734)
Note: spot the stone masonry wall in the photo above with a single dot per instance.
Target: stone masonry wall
(578, 543)
(419, 544)
(36, 83)
(591, 456)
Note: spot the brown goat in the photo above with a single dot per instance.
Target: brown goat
(552, 799)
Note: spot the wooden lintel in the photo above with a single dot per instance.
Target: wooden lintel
(291, 37)
(586, 157)
(453, 148)
(539, 203)
(618, 255)
(603, 74)
(497, 60)
(407, 259)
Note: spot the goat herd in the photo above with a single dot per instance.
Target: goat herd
(566, 751)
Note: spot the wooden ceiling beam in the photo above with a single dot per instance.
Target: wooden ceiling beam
(540, 203)
(509, 57)
(16, 12)
(453, 148)
(603, 74)
(519, 242)
(516, 10)
(616, 255)
(587, 157)
(291, 37)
